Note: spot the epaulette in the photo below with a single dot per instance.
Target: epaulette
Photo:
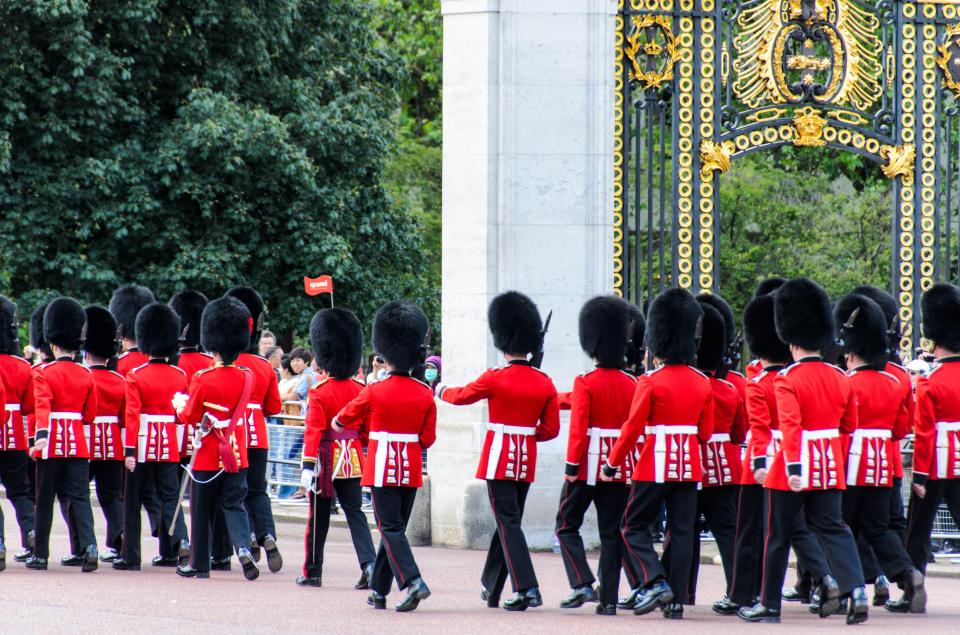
(735, 372)
(654, 371)
(541, 371)
(362, 383)
(934, 369)
(699, 372)
(319, 383)
(783, 373)
(724, 381)
(182, 372)
(838, 369)
(587, 372)
(631, 376)
(117, 374)
(135, 369)
(205, 370)
(891, 376)
(123, 354)
(756, 378)
(422, 383)
(19, 359)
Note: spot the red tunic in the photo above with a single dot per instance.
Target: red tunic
(326, 399)
(133, 358)
(720, 456)
(816, 405)
(265, 400)
(896, 460)
(215, 392)
(32, 418)
(192, 362)
(763, 437)
(104, 435)
(883, 419)
(600, 405)
(401, 415)
(522, 405)
(753, 369)
(65, 398)
(150, 422)
(17, 379)
(565, 400)
(673, 408)
(936, 441)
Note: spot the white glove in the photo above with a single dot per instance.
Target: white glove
(306, 479)
(179, 401)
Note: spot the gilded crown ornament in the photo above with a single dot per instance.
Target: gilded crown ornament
(809, 125)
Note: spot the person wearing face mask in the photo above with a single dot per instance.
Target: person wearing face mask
(432, 370)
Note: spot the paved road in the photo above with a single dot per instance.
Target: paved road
(157, 601)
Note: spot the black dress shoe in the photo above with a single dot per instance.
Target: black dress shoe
(365, 575)
(90, 561)
(306, 580)
(377, 601)
(915, 591)
(71, 561)
(250, 570)
(606, 609)
(881, 591)
(254, 548)
(829, 596)
(858, 605)
(653, 597)
(122, 565)
(631, 600)
(37, 563)
(759, 613)
(274, 559)
(578, 597)
(416, 591)
(493, 601)
(186, 571)
(220, 564)
(673, 611)
(524, 600)
(165, 561)
(792, 594)
(898, 606)
(109, 555)
(23, 555)
(183, 553)
(725, 606)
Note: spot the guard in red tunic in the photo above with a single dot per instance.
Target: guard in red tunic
(936, 443)
(766, 287)
(332, 460)
(216, 409)
(17, 381)
(151, 448)
(125, 303)
(265, 402)
(601, 402)
(815, 405)
(42, 355)
(673, 409)
(523, 410)
(401, 416)
(65, 400)
(884, 418)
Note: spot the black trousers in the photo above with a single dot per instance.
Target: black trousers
(13, 477)
(866, 510)
(391, 508)
(66, 478)
(108, 476)
(508, 553)
(220, 545)
(610, 499)
(224, 494)
(259, 511)
(643, 507)
(718, 505)
(748, 546)
(897, 523)
(318, 524)
(825, 517)
(922, 513)
(164, 477)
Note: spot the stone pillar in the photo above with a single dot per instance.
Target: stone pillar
(527, 205)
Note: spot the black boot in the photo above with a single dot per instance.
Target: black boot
(377, 600)
(89, 559)
(109, 555)
(37, 563)
(122, 565)
(73, 560)
(881, 591)
(220, 564)
(913, 584)
(792, 594)
(165, 561)
(26, 552)
(524, 600)
(759, 613)
(725, 606)
(416, 591)
(493, 601)
(187, 571)
(365, 575)
(899, 606)
(630, 601)
(250, 570)
(829, 596)
(657, 595)
(673, 611)
(306, 580)
(857, 611)
(274, 559)
(580, 596)
(606, 609)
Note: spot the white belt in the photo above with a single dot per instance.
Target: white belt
(384, 439)
(944, 428)
(496, 446)
(69, 416)
(721, 437)
(107, 419)
(805, 437)
(254, 406)
(816, 435)
(59, 416)
(157, 419)
(660, 433)
(856, 449)
(593, 450)
(12, 407)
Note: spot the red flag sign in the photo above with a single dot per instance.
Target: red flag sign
(316, 286)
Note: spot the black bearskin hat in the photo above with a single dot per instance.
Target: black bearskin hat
(36, 330)
(101, 338)
(712, 338)
(768, 286)
(803, 316)
(729, 325)
(125, 304)
(941, 316)
(515, 323)
(158, 330)
(760, 331)
(891, 312)
(866, 337)
(63, 324)
(399, 331)
(337, 340)
(604, 321)
(9, 339)
(254, 303)
(638, 327)
(673, 327)
(225, 328)
(188, 305)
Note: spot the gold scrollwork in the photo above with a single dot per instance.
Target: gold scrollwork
(951, 78)
(809, 127)
(652, 49)
(715, 157)
(900, 160)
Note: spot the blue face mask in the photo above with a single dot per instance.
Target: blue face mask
(431, 374)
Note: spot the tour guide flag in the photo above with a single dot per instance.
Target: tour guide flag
(316, 286)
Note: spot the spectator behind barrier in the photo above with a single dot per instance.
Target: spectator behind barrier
(267, 341)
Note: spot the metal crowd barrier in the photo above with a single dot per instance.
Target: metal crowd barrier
(285, 435)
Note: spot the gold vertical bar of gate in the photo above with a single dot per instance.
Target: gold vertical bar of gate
(685, 151)
(707, 79)
(929, 131)
(905, 242)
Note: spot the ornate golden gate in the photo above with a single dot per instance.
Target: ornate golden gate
(701, 82)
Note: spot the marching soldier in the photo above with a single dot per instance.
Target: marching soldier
(766, 287)
(125, 303)
(17, 383)
(265, 402)
(216, 409)
(401, 416)
(884, 418)
(815, 405)
(332, 460)
(523, 410)
(600, 404)
(673, 408)
(151, 450)
(65, 400)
